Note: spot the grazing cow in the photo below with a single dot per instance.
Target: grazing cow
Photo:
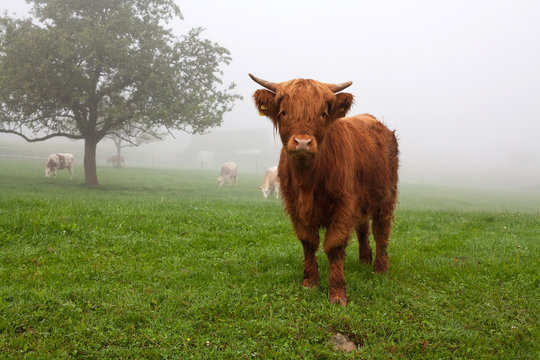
(270, 183)
(116, 160)
(59, 161)
(228, 175)
(335, 173)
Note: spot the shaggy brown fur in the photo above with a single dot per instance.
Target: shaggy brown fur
(336, 173)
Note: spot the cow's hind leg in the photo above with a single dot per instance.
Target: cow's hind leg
(364, 249)
(382, 227)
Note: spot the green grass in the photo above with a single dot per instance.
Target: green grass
(162, 264)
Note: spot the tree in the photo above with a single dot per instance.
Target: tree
(88, 69)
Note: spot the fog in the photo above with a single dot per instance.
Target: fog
(459, 81)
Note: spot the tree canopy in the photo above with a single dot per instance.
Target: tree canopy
(86, 69)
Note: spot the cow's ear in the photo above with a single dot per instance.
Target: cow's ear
(266, 103)
(342, 105)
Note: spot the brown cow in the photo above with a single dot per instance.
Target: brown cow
(335, 173)
(116, 160)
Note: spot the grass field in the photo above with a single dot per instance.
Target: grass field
(162, 264)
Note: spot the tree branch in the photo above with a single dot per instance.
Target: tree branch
(46, 137)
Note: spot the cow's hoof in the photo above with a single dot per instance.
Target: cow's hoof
(310, 284)
(339, 300)
(366, 259)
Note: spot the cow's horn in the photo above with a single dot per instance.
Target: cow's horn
(337, 88)
(267, 84)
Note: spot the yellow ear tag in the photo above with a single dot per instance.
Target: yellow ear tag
(261, 109)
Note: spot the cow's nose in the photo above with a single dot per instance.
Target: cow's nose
(302, 144)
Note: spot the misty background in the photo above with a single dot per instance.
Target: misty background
(459, 81)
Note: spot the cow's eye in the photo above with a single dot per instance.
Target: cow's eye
(324, 114)
(281, 113)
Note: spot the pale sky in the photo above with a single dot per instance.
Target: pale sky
(458, 80)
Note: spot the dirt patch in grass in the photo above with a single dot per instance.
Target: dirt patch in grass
(342, 343)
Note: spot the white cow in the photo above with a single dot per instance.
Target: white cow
(59, 161)
(270, 183)
(229, 173)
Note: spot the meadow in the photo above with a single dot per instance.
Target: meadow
(161, 264)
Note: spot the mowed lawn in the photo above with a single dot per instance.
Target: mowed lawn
(162, 264)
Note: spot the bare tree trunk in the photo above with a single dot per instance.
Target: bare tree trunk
(119, 160)
(118, 143)
(90, 170)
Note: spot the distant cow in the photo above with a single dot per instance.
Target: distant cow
(228, 175)
(116, 160)
(59, 161)
(270, 183)
(335, 173)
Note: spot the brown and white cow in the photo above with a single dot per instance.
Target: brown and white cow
(59, 161)
(270, 183)
(228, 174)
(335, 172)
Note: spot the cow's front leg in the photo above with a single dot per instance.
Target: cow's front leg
(310, 242)
(311, 269)
(334, 247)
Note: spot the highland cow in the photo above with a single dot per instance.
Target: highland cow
(335, 173)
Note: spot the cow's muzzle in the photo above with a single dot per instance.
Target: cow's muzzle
(302, 145)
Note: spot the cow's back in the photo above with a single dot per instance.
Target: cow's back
(363, 150)
(65, 160)
(374, 146)
(229, 169)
